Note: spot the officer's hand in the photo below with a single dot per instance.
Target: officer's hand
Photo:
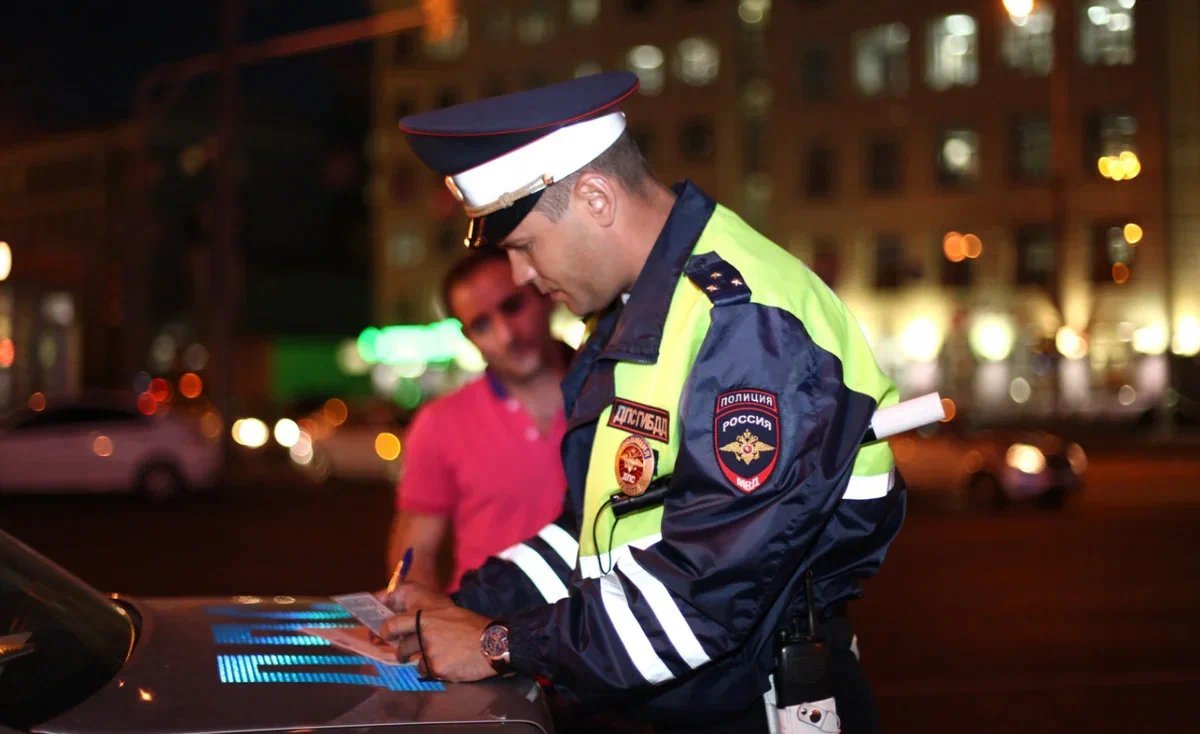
(411, 596)
(451, 638)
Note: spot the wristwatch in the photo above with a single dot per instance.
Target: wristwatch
(493, 643)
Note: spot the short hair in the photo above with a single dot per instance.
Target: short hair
(622, 160)
(465, 268)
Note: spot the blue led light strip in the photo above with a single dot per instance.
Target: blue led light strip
(249, 669)
(317, 611)
(244, 634)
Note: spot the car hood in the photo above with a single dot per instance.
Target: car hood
(242, 665)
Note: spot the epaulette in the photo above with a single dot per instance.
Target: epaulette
(717, 279)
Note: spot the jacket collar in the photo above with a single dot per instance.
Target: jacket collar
(638, 332)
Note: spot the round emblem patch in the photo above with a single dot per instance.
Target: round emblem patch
(634, 465)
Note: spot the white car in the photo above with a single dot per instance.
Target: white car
(103, 446)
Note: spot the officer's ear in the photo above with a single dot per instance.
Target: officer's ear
(597, 195)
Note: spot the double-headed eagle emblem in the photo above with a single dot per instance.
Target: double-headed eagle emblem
(746, 448)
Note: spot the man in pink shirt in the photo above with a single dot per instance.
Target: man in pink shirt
(482, 464)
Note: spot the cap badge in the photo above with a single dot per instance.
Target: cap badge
(634, 466)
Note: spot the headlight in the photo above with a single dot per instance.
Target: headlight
(1078, 459)
(1026, 458)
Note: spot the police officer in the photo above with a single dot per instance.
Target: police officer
(714, 452)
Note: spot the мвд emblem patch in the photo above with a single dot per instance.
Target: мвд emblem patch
(746, 436)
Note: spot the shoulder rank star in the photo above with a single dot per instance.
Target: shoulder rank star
(747, 448)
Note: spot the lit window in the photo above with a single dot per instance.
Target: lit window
(820, 171)
(1108, 134)
(584, 12)
(1031, 149)
(535, 25)
(647, 63)
(958, 157)
(881, 60)
(883, 165)
(816, 74)
(1111, 253)
(696, 140)
(452, 47)
(951, 57)
(697, 61)
(1028, 43)
(1035, 255)
(1106, 32)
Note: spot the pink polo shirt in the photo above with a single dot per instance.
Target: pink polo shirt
(476, 457)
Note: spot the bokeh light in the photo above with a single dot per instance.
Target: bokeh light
(190, 385)
(146, 404)
(250, 432)
(286, 432)
(387, 446)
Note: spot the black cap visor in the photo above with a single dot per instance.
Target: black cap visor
(493, 228)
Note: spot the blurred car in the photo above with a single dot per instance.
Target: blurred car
(991, 467)
(73, 661)
(104, 444)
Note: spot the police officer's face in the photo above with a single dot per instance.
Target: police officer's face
(565, 259)
(509, 324)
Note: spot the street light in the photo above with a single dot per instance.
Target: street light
(5, 261)
(1019, 8)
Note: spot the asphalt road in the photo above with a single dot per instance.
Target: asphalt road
(1083, 619)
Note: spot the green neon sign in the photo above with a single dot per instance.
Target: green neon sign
(440, 341)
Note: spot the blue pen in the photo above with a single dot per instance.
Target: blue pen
(401, 571)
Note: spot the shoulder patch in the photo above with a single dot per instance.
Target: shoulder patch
(746, 436)
(717, 279)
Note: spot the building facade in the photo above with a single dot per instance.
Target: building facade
(1004, 192)
(60, 306)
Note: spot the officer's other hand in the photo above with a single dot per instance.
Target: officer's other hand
(451, 641)
(411, 596)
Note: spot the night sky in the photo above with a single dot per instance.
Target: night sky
(71, 65)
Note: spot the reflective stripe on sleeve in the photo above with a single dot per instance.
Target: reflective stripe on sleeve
(870, 487)
(637, 645)
(562, 543)
(667, 611)
(539, 572)
(590, 566)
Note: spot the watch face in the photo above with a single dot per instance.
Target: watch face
(495, 641)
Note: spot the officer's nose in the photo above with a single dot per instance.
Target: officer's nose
(523, 272)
